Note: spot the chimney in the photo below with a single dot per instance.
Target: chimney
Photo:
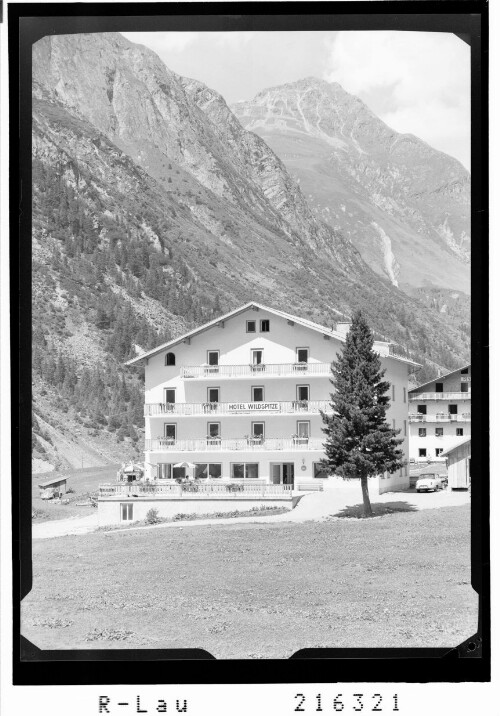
(343, 328)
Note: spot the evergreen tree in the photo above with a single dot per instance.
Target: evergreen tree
(359, 441)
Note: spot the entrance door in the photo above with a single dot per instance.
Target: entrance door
(282, 473)
(288, 473)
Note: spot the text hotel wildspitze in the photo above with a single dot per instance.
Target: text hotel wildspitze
(239, 407)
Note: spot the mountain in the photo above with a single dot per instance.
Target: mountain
(154, 210)
(404, 205)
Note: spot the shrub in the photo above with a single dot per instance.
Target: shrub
(152, 517)
(69, 490)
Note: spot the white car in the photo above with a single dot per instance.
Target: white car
(429, 483)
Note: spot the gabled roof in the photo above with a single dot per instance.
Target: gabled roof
(54, 481)
(458, 444)
(439, 378)
(257, 306)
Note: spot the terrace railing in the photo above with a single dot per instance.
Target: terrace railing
(288, 407)
(237, 444)
(252, 371)
(188, 490)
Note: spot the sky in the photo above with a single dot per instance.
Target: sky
(416, 82)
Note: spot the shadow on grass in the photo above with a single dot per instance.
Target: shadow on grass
(379, 509)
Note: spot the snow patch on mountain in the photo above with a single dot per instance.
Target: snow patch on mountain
(446, 233)
(390, 263)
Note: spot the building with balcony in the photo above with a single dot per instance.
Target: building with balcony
(240, 398)
(439, 414)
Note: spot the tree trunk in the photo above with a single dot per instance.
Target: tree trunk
(366, 497)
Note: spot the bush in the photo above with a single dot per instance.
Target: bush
(152, 517)
(69, 490)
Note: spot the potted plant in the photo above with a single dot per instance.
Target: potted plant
(300, 365)
(301, 404)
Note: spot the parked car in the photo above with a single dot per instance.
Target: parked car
(429, 483)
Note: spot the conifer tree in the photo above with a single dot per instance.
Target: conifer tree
(359, 441)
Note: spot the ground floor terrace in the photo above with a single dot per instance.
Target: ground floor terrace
(294, 466)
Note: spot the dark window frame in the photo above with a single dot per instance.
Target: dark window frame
(263, 322)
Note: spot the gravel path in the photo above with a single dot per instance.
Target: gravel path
(314, 506)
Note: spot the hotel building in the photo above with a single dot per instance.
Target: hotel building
(240, 398)
(439, 415)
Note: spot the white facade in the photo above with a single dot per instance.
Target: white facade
(241, 399)
(440, 414)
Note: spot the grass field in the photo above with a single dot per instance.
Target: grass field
(249, 591)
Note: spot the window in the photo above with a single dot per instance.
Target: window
(394, 392)
(459, 432)
(439, 451)
(258, 430)
(213, 470)
(302, 392)
(251, 326)
(257, 394)
(257, 356)
(264, 325)
(213, 430)
(439, 387)
(127, 509)
(170, 359)
(453, 409)
(404, 395)
(164, 471)
(422, 432)
(170, 431)
(169, 395)
(404, 426)
(303, 429)
(422, 452)
(464, 387)
(422, 409)
(213, 395)
(302, 355)
(242, 470)
(464, 371)
(393, 424)
(319, 470)
(439, 432)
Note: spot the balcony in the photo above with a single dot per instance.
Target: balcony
(265, 370)
(208, 490)
(246, 444)
(440, 418)
(439, 396)
(290, 407)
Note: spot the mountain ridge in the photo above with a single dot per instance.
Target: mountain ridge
(385, 190)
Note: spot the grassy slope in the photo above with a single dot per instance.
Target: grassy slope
(243, 591)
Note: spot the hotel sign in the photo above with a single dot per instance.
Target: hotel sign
(249, 407)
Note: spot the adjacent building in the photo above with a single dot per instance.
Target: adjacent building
(440, 414)
(239, 399)
(458, 459)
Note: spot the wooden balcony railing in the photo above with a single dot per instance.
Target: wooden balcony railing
(251, 371)
(287, 407)
(439, 396)
(237, 444)
(440, 418)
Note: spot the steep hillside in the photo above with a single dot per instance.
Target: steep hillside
(155, 211)
(405, 206)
